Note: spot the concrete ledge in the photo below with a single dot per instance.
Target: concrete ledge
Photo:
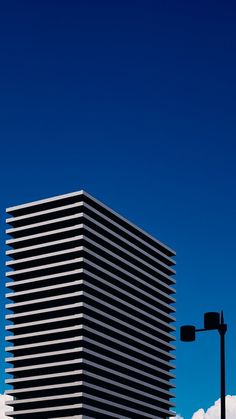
(11, 242)
(42, 278)
(44, 212)
(45, 343)
(40, 268)
(45, 310)
(38, 377)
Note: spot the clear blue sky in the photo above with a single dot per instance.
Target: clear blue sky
(133, 101)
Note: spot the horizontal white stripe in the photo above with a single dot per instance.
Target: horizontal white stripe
(42, 278)
(45, 310)
(42, 300)
(44, 332)
(44, 212)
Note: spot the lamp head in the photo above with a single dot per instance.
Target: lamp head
(211, 320)
(187, 333)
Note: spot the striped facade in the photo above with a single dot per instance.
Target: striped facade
(89, 323)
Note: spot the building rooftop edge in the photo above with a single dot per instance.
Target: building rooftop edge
(83, 192)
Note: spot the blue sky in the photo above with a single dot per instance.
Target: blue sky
(133, 101)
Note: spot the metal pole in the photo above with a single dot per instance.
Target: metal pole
(212, 321)
(222, 331)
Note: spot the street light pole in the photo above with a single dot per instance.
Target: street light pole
(212, 321)
(222, 330)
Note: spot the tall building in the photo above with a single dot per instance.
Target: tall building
(89, 327)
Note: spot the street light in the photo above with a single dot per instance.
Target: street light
(212, 321)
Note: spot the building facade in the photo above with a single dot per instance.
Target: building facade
(90, 313)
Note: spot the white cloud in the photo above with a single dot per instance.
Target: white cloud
(214, 411)
(3, 408)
